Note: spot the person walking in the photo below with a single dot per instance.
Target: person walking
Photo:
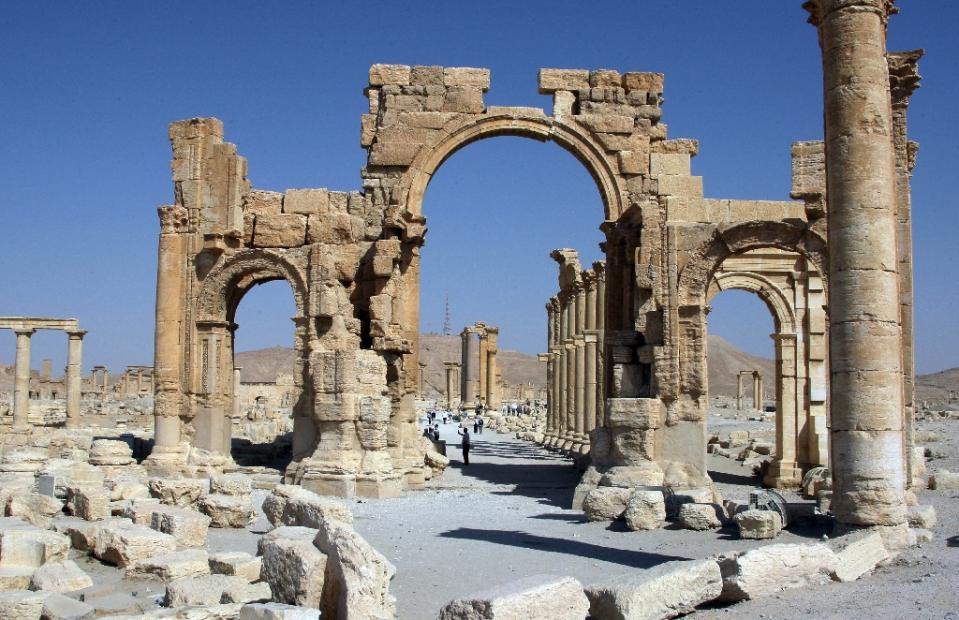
(476, 427)
(481, 426)
(465, 445)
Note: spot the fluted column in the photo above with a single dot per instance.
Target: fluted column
(73, 376)
(864, 331)
(21, 386)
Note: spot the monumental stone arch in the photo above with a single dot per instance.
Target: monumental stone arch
(352, 260)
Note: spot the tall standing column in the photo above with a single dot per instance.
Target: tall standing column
(582, 440)
(421, 381)
(73, 378)
(483, 348)
(864, 332)
(492, 391)
(550, 371)
(468, 356)
(757, 390)
(599, 268)
(563, 401)
(21, 386)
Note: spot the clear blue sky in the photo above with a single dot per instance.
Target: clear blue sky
(89, 89)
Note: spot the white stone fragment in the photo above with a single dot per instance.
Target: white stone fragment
(665, 591)
(537, 596)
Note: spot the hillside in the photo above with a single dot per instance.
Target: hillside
(725, 361)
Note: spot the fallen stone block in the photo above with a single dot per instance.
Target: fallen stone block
(68, 473)
(665, 591)
(21, 605)
(63, 576)
(228, 510)
(189, 527)
(89, 503)
(15, 578)
(645, 510)
(857, 554)
(686, 495)
(773, 568)
(183, 492)
(140, 511)
(293, 566)
(123, 544)
(923, 517)
(239, 590)
(277, 611)
(700, 516)
(34, 508)
(59, 607)
(759, 524)
(231, 485)
(606, 503)
(944, 480)
(357, 575)
(171, 566)
(205, 590)
(31, 547)
(237, 563)
(538, 596)
(293, 505)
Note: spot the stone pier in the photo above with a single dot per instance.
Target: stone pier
(452, 385)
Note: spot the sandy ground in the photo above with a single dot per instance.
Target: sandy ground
(507, 515)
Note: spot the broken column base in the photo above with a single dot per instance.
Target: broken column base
(782, 475)
(167, 461)
(346, 484)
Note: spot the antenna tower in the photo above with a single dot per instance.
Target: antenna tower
(446, 317)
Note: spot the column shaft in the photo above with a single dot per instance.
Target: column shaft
(21, 386)
(73, 377)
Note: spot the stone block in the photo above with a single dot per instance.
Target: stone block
(606, 503)
(140, 511)
(31, 547)
(294, 505)
(662, 164)
(171, 566)
(664, 591)
(68, 473)
(90, 503)
(123, 544)
(944, 480)
(857, 554)
(277, 611)
(604, 78)
(684, 186)
(259, 202)
(552, 80)
(645, 474)
(228, 510)
(923, 517)
(607, 123)
(758, 524)
(287, 230)
(633, 162)
(357, 575)
(393, 153)
(381, 75)
(15, 578)
(645, 510)
(182, 492)
(648, 82)
(34, 508)
(695, 516)
(189, 527)
(56, 606)
(306, 201)
(467, 77)
(20, 605)
(236, 563)
(537, 596)
(206, 590)
(464, 100)
(687, 495)
(111, 452)
(768, 570)
(63, 576)
(293, 566)
(333, 228)
(241, 591)
(233, 484)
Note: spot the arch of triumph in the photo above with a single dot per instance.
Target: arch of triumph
(352, 260)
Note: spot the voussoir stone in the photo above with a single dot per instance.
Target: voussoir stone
(664, 591)
(537, 596)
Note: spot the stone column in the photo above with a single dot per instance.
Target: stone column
(562, 401)
(21, 386)
(468, 358)
(582, 439)
(451, 385)
(739, 391)
(757, 390)
(421, 381)
(589, 404)
(483, 348)
(784, 471)
(550, 372)
(237, 412)
(492, 391)
(73, 378)
(599, 268)
(865, 337)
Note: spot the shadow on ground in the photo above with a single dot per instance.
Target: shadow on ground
(514, 538)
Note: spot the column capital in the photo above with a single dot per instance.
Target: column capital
(24, 331)
(76, 334)
(820, 9)
(173, 219)
(904, 75)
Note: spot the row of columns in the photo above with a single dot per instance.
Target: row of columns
(758, 389)
(574, 361)
(479, 345)
(21, 390)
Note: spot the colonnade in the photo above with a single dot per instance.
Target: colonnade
(24, 328)
(574, 361)
(137, 379)
(479, 346)
(758, 389)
